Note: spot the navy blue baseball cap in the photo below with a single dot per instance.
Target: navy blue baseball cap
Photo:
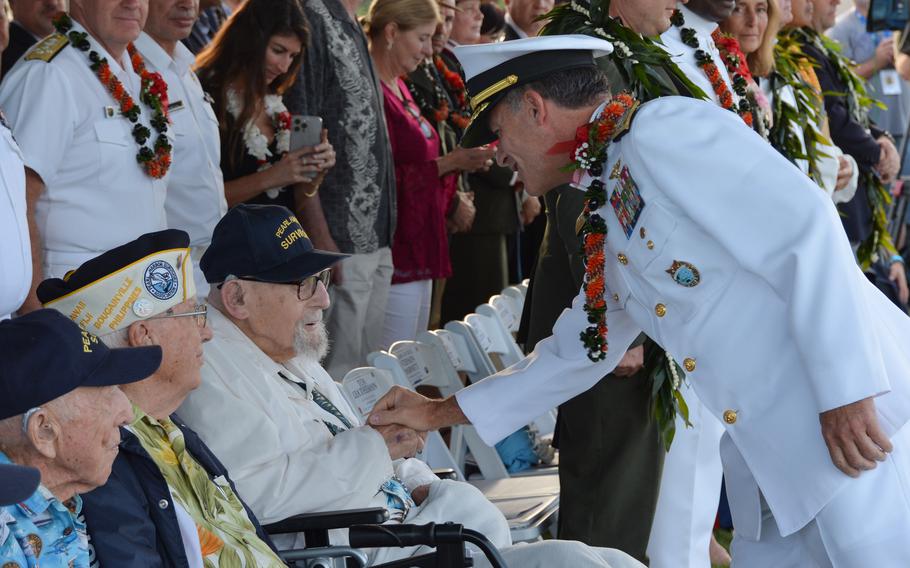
(17, 483)
(263, 242)
(44, 355)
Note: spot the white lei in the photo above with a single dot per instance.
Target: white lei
(257, 145)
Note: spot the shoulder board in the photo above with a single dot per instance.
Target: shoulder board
(625, 123)
(48, 48)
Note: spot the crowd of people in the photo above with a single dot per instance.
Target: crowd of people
(216, 210)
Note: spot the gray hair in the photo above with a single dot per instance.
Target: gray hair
(568, 88)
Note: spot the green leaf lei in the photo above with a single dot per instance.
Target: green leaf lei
(858, 104)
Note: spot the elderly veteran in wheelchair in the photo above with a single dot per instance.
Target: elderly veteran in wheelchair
(60, 413)
(280, 423)
(169, 501)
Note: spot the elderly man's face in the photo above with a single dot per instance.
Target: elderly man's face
(112, 22)
(524, 13)
(526, 151)
(443, 28)
(88, 419)
(647, 17)
(181, 340)
(171, 20)
(467, 22)
(281, 324)
(714, 10)
(35, 15)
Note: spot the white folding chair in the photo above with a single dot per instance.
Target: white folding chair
(517, 296)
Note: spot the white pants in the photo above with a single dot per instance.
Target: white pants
(689, 492)
(354, 321)
(866, 525)
(407, 311)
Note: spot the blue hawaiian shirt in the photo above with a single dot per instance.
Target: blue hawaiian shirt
(42, 531)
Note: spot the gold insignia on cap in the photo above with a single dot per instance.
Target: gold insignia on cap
(48, 48)
(496, 87)
(34, 541)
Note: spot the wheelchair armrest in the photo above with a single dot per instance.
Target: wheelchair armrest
(445, 473)
(328, 520)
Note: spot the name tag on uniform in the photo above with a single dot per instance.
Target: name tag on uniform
(626, 199)
(175, 106)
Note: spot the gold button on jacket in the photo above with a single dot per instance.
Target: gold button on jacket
(623, 259)
(730, 416)
(689, 364)
(660, 310)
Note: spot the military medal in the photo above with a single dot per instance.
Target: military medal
(684, 274)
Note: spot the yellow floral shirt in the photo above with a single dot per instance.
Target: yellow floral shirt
(227, 537)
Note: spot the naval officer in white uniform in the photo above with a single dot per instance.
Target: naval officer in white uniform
(88, 190)
(784, 338)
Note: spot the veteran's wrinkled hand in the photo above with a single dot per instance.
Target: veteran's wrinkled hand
(854, 438)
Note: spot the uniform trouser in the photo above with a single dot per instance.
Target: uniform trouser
(610, 459)
(479, 270)
(689, 492)
(866, 525)
(357, 313)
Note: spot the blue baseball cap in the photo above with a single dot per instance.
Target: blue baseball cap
(17, 483)
(263, 242)
(44, 355)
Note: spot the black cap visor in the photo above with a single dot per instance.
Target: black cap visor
(124, 366)
(297, 269)
(17, 483)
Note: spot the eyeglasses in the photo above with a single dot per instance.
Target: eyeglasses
(200, 312)
(306, 288)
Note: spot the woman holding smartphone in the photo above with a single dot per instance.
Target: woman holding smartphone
(257, 161)
(400, 34)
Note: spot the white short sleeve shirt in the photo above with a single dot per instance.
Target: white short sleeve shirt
(15, 249)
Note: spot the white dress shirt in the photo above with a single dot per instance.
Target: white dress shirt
(195, 188)
(96, 195)
(15, 248)
(781, 326)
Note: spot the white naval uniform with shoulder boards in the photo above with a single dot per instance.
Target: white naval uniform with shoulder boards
(96, 195)
(195, 187)
(15, 247)
(776, 323)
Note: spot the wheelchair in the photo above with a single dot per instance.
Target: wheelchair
(365, 530)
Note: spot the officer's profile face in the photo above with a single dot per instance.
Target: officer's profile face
(525, 134)
(170, 21)
(714, 10)
(35, 15)
(647, 17)
(113, 23)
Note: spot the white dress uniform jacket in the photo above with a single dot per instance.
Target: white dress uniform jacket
(97, 196)
(195, 188)
(15, 247)
(764, 330)
(271, 435)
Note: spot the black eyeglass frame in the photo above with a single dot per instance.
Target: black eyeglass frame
(324, 276)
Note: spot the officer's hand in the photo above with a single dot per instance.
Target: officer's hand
(408, 408)
(853, 437)
(402, 442)
(844, 173)
(899, 276)
(631, 362)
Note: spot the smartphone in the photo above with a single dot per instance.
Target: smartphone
(305, 131)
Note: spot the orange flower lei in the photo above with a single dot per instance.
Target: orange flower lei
(456, 88)
(706, 63)
(155, 162)
(590, 153)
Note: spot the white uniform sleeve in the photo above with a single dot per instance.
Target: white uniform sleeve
(283, 466)
(557, 370)
(38, 100)
(779, 226)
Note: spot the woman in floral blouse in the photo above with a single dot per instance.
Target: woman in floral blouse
(254, 123)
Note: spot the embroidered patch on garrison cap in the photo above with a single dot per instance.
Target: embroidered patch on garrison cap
(626, 200)
(684, 274)
(48, 48)
(161, 280)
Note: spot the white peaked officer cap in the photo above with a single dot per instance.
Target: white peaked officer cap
(492, 70)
